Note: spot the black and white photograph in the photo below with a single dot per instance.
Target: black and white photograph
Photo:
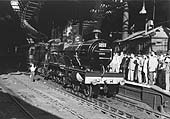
(84, 59)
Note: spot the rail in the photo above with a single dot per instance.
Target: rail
(105, 107)
(11, 95)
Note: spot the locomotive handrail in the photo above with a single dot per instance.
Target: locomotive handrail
(67, 67)
(106, 49)
(73, 69)
(104, 58)
(103, 71)
(101, 50)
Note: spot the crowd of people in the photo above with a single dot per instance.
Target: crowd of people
(150, 69)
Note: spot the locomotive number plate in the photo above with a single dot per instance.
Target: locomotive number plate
(102, 45)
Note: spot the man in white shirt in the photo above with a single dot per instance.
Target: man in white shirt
(131, 67)
(152, 67)
(114, 64)
(167, 78)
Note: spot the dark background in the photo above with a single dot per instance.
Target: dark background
(60, 11)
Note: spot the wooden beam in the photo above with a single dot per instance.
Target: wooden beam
(28, 14)
(31, 7)
(34, 3)
(29, 11)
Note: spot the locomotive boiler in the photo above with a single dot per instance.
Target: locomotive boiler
(91, 55)
(82, 66)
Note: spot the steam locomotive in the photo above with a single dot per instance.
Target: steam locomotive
(80, 65)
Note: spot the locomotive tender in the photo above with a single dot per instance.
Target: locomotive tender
(80, 65)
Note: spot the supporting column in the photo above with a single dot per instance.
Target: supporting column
(125, 20)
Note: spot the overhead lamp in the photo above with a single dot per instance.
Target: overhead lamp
(14, 2)
(15, 5)
(34, 2)
(143, 11)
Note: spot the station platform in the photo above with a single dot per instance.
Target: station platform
(157, 98)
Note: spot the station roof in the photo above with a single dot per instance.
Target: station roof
(62, 10)
(158, 32)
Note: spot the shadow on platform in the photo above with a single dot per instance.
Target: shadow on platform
(10, 110)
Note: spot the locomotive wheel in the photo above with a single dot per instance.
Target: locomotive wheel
(60, 80)
(44, 71)
(75, 87)
(87, 90)
(52, 77)
(63, 82)
(112, 90)
(96, 91)
(55, 78)
(105, 89)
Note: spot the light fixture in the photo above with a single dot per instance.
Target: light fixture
(15, 5)
(14, 2)
(143, 11)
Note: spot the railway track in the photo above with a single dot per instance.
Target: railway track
(105, 105)
(15, 100)
(51, 99)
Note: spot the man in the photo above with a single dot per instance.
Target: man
(145, 69)
(131, 67)
(139, 72)
(114, 63)
(152, 67)
(32, 69)
(167, 78)
(120, 58)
